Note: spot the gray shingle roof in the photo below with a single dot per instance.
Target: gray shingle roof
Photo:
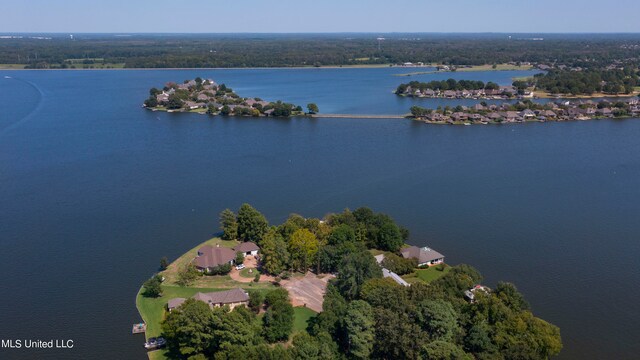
(209, 256)
(246, 247)
(423, 255)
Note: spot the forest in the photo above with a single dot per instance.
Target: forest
(285, 50)
(587, 81)
(365, 316)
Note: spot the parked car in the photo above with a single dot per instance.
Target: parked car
(240, 267)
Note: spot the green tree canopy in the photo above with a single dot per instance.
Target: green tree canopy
(354, 269)
(303, 247)
(359, 326)
(229, 225)
(275, 255)
(152, 287)
(252, 225)
(313, 108)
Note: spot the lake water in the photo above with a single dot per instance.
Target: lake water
(95, 190)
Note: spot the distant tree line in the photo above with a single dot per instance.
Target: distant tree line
(269, 50)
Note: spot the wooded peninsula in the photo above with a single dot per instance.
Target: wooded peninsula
(346, 286)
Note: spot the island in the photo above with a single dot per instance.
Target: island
(527, 110)
(205, 96)
(344, 286)
(459, 89)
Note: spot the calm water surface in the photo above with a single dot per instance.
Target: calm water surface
(94, 191)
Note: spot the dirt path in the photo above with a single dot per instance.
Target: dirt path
(307, 291)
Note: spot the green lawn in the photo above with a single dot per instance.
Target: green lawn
(301, 316)
(11, 66)
(245, 273)
(426, 275)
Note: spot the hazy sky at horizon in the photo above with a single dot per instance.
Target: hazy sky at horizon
(211, 16)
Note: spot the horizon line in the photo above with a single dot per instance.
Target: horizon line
(323, 33)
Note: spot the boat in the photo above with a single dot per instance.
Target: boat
(155, 343)
(7, 77)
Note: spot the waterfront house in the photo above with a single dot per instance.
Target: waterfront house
(232, 298)
(459, 116)
(162, 98)
(247, 248)
(528, 114)
(429, 93)
(449, 94)
(494, 116)
(210, 257)
(604, 112)
(512, 116)
(191, 105)
(424, 255)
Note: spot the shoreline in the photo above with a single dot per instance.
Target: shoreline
(372, 66)
(432, 122)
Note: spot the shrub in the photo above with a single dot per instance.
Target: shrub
(223, 269)
(152, 287)
(188, 275)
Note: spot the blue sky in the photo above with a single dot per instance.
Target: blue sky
(213, 16)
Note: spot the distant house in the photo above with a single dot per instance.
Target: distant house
(231, 298)
(247, 248)
(395, 277)
(425, 255)
(471, 293)
(528, 114)
(210, 257)
(192, 105)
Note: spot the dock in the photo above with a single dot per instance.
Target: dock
(139, 328)
(357, 116)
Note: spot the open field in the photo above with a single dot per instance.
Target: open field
(12, 66)
(426, 275)
(301, 316)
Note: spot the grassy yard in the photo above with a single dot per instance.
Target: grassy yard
(152, 310)
(11, 66)
(246, 274)
(180, 263)
(426, 275)
(301, 316)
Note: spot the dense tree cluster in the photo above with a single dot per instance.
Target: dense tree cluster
(385, 320)
(195, 331)
(587, 82)
(268, 50)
